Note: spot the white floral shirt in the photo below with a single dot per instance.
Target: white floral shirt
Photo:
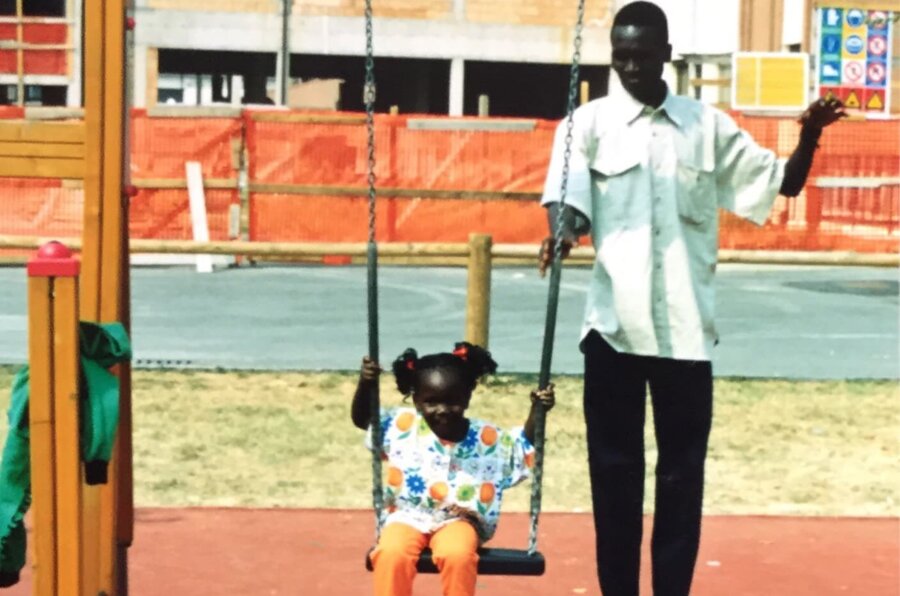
(425, 476)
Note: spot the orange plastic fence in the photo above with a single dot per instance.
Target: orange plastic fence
(298, 171)
(160, 148)
(36, 62)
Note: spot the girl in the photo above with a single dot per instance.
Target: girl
(445, 473)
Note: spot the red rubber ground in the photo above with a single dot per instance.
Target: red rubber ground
(219, 552)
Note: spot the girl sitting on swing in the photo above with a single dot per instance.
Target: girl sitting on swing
(446, 473)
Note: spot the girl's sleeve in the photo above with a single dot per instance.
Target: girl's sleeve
(521, 457)
(387, 416)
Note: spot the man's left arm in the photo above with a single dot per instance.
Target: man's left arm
(818, 115)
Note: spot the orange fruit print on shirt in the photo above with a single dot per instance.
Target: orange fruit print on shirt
(404, 421)
(489, 435)
(487, 492)
(438, 491)
(394, 477)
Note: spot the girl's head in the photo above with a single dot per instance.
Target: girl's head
(441, 384)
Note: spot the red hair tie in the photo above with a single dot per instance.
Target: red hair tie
(411, 364)
(461, 352)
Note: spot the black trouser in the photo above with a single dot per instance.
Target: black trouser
(614, 405)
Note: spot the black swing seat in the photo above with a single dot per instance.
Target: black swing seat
(491, 561)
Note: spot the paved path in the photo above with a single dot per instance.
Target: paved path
(247, 552)
(791, 322)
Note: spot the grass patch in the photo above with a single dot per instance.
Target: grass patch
(285, 439)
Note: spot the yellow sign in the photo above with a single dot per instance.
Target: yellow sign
(770, 81)
(852, 100)
(875, 102)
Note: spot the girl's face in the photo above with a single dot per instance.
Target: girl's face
(442, 400)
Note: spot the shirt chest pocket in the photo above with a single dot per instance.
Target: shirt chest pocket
(616, 184)
(696, 192)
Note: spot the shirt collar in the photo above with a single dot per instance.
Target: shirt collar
(632, 109)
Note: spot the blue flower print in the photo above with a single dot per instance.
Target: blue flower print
(415, 484)
(471, 439)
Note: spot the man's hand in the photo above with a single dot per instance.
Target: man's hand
(369, 371)
(822, 113)
(545, 256)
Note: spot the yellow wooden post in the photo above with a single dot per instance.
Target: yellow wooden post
(114, 252)
(40, 418)
(92, 242)
(54, 421)
(478, 295)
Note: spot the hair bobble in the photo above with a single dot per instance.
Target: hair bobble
(461, 351)
(410, 364)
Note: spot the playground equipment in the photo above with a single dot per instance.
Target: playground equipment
(491, 561)
(81, 549)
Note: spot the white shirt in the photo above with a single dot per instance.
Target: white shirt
(650, 181)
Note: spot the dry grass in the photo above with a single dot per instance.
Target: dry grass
(285, 439)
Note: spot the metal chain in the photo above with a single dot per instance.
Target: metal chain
(372, 281)
(553, 299)
(369, 96)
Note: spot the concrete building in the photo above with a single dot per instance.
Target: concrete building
(433, 56)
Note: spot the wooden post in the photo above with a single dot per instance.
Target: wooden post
(585, 92)
(478, 296)
(484, 106)
(54, 421)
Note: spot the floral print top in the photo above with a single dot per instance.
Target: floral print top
(427, 478)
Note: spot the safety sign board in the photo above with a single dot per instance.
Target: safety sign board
(854, 56)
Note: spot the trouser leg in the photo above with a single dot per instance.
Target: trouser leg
(682, 394)
(394, 559)
(614, 412)
(454, 549)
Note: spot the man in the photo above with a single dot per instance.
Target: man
(648, 173)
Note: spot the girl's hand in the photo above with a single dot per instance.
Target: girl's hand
(369, 371)
(545, 397)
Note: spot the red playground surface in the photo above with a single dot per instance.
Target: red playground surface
(280, 552)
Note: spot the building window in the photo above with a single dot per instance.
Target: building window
(44, 8)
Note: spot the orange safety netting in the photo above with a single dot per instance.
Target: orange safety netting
(160, 148)
(299, 170)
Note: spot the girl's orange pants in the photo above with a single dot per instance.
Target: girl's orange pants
(454, 549)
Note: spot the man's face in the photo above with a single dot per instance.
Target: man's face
(638, 56)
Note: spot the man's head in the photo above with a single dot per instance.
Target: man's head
(640, 48)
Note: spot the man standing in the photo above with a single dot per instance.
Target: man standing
(647, 174)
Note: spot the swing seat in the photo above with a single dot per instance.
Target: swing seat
(491, 561)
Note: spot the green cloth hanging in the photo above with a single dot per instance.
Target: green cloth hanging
(102, 346)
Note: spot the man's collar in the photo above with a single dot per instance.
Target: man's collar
(632, 109)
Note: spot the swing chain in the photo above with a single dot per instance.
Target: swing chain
(372, 280)
(552, 302)
(369, 97)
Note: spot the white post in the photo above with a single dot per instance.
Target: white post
(198, 212)
(457, 86)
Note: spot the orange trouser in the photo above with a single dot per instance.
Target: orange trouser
(454, 549)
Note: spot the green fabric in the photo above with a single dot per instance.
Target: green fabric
(102, 345)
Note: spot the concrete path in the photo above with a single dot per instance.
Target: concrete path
(788, 322)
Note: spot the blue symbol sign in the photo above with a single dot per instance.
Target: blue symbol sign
(831, 73)
(877, 45)
(831, 44)
(854, 44)
(878, 20)
(855, 17)
(832, 17)
(876, 74)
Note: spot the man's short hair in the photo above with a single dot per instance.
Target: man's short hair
(643, 14)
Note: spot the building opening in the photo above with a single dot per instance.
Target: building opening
(527, 89)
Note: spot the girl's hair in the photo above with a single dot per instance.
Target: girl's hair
(469, 362)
